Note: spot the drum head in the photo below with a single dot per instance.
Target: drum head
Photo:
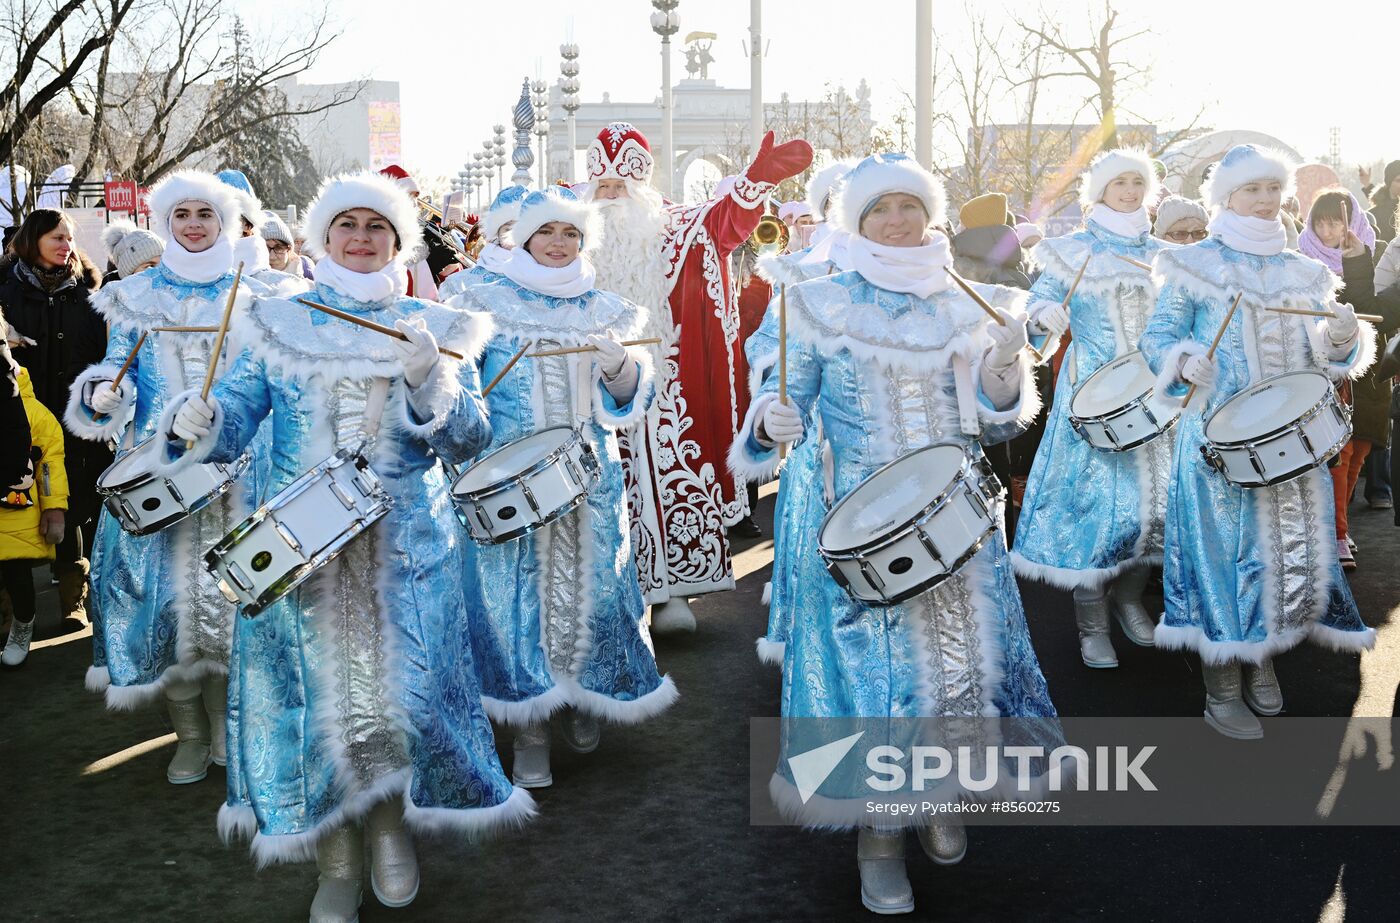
(511, 459)
(891, 497)
(1264, 407)
(1115, 384)
(133, 467)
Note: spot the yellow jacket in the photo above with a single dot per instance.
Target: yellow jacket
(19, 528)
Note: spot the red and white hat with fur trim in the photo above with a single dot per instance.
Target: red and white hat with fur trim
(374, 191)
(620, 152)
(401, 176)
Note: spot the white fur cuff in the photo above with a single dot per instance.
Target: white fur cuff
(743, 465)
(641, 400)
(174, 455)
(78, 415)
(1169, 380)
(427, 407)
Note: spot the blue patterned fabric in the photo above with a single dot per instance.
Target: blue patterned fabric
(562, 612)
(1248, 572)
(360, 684)
(1087, 514)
(875, 367)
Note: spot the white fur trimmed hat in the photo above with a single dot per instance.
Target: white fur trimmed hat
(1246, 163)
(882, 174)
(1109, 165)
(378, 193)
(194, 186)
(557, 203)
(823, 183)
(504, 208)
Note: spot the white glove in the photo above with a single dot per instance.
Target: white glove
(195, 418)
(104, 399)
(1007, 340)
(1199, 371)
(782, 422)
(1343, 327)
(1054, 320)
(612, 355)
(419, 353)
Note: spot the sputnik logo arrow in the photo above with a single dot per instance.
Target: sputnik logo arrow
(810, 769)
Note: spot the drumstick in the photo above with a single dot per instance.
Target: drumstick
(509, 365)
(131, 357)
(1138, 263)
(782, 358)
(1373, 318)
(1075, 284)
(185, 329)
(371, 325)
(1219, 335)
(991, 312)
(649, 341)
(218, 343)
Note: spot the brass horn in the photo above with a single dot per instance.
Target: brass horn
(771, 236)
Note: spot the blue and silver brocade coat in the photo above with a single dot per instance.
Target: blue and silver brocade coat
(1088, 514)
(360, 684)
(876, 367)
(560, 612)
(1248, 572)
(158, 615)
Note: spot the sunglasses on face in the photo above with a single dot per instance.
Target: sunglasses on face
(1182, 237)
(277, 248)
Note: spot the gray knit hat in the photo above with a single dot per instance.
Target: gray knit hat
(1173, 209)
(274, 228)
(131, 246)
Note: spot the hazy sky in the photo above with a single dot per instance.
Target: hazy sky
(459, 64)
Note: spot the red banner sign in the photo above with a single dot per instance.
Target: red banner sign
(120, 195)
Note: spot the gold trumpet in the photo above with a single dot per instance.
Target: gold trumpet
(771, 236)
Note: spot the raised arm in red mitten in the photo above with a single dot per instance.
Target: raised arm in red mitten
(734, 217)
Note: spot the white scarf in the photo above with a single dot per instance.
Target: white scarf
(1259, 236)
(493, 258)
(1124, 224)
(831, 247)
(252, 252)
(370, 287)
(557, 281)
(204, 266)
(918, 271)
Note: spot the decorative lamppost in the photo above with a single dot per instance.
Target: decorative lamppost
(484, 164)
(569, 85)
(523, 118)
(666, 22)
(500, 154)
(540, 97)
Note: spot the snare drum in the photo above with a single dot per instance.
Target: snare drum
(912, 524)
(145, 502)
(1117, 409)
(525, 484)
(304, 527)
(1276, 430)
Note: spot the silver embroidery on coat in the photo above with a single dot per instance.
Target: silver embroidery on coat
(562, 573)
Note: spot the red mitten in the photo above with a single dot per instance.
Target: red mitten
(775, 163)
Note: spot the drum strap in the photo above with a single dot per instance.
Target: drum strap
(374, 408)
(967, 396)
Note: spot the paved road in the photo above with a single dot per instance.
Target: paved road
(654, 825)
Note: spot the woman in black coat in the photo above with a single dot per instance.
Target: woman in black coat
(45, 284)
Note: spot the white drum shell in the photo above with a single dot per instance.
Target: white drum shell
(911, 557)
(1291, 449)
(300, 529)
(146, 502)
(553, 481)
(1130, 421)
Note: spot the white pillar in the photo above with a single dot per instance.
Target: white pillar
(756, 120)
(923, 83)
(667, 158)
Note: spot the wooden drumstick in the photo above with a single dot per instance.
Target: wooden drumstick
(1219, 335)
(1373, 318)
(1138, 263)
(219, 343)
(543, 354)
(991, 312)
(782, 357)
(130, 358)
(371, 325)
(1075, 284)
(185, 329)
(509, 365)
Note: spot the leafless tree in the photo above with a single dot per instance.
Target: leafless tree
(963, 115)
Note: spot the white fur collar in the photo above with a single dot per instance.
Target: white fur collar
(1061, 257)
(525, 314)
(301, 342)
(896, 330)
(135, 303)
(1210, 270)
